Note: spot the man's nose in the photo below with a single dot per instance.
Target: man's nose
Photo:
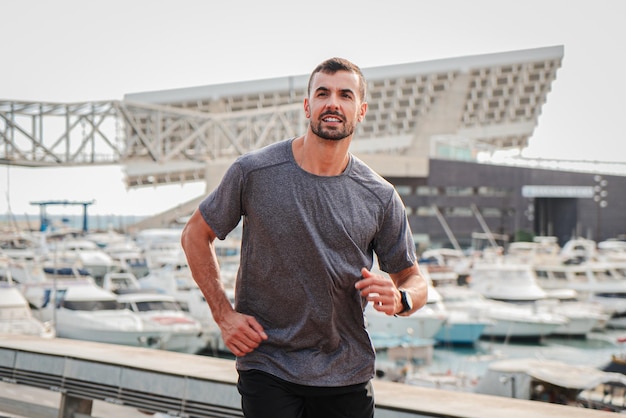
(333, 101)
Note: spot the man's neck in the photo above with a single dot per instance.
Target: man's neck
(320, 156)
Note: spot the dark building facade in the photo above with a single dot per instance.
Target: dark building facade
(474, 199)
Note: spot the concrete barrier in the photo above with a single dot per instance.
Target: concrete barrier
(185, 385)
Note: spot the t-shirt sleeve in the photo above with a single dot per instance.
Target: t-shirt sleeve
(394, 245)
(222, 209)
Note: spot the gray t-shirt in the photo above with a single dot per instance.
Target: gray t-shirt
(305, 239)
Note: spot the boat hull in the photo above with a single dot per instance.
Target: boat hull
(519, 329)
(185, 339)
(460, 332)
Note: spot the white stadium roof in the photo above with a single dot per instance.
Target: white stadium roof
(447, 108)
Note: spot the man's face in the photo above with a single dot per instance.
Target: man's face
(334, 107)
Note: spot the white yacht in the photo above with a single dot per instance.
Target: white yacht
(85, 311)
(83, 253)
(542, 249)
(160, 246)
(25, 265)
(515, 282)
(510, 282)
(600, 283)
(446, 264)
(15, 314)
(180, 331)
(175, 279)
(612, 251)
(186, 333)
(507, 320)
(130, 255)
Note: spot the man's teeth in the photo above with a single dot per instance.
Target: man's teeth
(332, 120)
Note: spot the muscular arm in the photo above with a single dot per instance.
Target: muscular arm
(384, 292)
(241, 333)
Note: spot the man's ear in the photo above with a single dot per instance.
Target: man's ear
(362, 112)
(307, 111)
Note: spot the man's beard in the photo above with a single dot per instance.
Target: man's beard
(332, 134)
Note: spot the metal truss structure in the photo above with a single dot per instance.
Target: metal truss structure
(49, 134)
(166, 144)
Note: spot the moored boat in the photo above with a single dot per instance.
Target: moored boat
(516, 282)
(462, 328)
(16, 316)
(180, 332)
(82, 310)
(555, 382)
(507, 320)
(600, 283)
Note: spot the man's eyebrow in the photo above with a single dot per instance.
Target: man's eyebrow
(323, 88)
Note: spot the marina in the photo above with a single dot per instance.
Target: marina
(418, 351)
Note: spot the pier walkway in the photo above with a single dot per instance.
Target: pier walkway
(81, 374)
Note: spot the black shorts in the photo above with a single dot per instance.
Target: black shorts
(266, 396)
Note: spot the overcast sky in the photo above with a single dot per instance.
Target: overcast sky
(67, 51)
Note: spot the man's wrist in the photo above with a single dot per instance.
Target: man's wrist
(406, 303)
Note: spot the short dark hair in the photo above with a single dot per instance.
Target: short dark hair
(332, 65)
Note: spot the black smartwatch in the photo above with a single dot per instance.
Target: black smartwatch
(407, 303)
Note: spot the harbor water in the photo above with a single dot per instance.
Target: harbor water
(472, 362)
